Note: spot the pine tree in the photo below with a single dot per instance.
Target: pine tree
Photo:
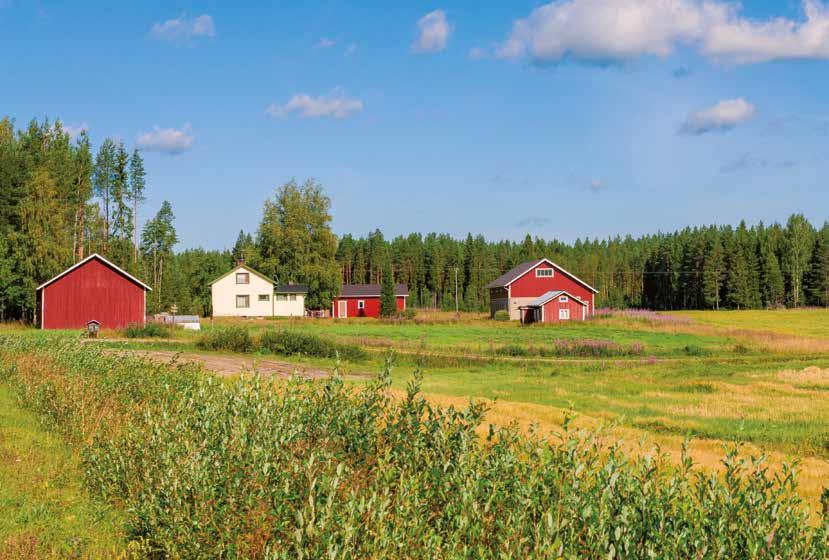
(82, 193)
(137, 184)
(104, 180)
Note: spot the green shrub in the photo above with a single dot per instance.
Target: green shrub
(206, 469)
(409, 313)
(149, 330)
(501, 315)
(291, 343)
(691, 350)
(233, 339)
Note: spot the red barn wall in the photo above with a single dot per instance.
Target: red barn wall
(92, 291)
(372, 306)
(531, 286)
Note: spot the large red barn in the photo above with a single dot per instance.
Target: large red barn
(363, 300)
(540, 290)
(92, 290)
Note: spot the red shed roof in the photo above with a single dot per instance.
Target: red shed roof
(370, 290)
(520, 270)
(96, 256)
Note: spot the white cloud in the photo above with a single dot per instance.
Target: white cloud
(183, 31)
(75, 130)
(725, 115)
(351, 49)
(335, 105)
(325, 43)
(618, 30)
(434, 32)
(167, 140)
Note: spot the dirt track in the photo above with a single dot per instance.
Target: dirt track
(231, 365)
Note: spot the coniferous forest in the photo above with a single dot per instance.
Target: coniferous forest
(62, 199)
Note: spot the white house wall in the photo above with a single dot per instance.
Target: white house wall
(226, 290)
(289, 308)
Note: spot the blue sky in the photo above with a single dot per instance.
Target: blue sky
(569, 119)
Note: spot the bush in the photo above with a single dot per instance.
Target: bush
(501, 315)
(587, 348)
(233, 339)
(292, 343)
(238, 469)
(149, 330)
(409, 313)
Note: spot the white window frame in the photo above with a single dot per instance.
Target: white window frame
(563, 314)
(539, 271)
(247, 306)
(361, 304)
(246, 277)
(563, 299)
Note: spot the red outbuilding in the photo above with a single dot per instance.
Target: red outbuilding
(363, 300)
(92, 290)
(533, 286)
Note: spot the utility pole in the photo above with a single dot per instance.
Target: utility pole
(457, 310)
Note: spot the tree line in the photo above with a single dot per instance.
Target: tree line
(60, 201)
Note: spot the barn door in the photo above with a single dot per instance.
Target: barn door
(343, 309)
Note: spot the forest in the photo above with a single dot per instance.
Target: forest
(61, 200)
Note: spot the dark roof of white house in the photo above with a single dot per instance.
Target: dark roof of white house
(370, 290)
(291, 289)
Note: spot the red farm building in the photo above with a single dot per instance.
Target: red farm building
(92, 290)
(541, 291)
(363, 300)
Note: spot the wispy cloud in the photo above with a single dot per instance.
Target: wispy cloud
(534, 222)
(434, 33)
(184, 31)
(170, 141)
(725, 115)
(749, 161)
(619, 30)
(334, 105)
(350, 50)
(325, 43)
(477, 53)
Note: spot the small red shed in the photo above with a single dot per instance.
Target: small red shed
(92, 290)
(553, 307)
(363, 300)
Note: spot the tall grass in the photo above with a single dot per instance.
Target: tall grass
(321, 469)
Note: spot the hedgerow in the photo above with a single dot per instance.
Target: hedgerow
(322, 469)
(291, 343)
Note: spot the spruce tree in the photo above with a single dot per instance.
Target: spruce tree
(713, 272)
(817, 279)
(388, 298)
(137, 184)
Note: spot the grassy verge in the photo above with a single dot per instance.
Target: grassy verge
(44, 512)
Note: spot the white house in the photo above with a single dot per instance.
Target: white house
(244, 292)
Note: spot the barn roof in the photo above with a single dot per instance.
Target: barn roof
(544, 298)
(520, 270)
(370, 290)
(291, 289)
(249, 269)
(96, 256)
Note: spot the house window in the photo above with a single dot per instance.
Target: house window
(563, 299)
(281, 297)
(361, 304)
(563, 314)
(242, 278)
(292, 297)
(264, 297)
(242, 301)
(543, 272)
